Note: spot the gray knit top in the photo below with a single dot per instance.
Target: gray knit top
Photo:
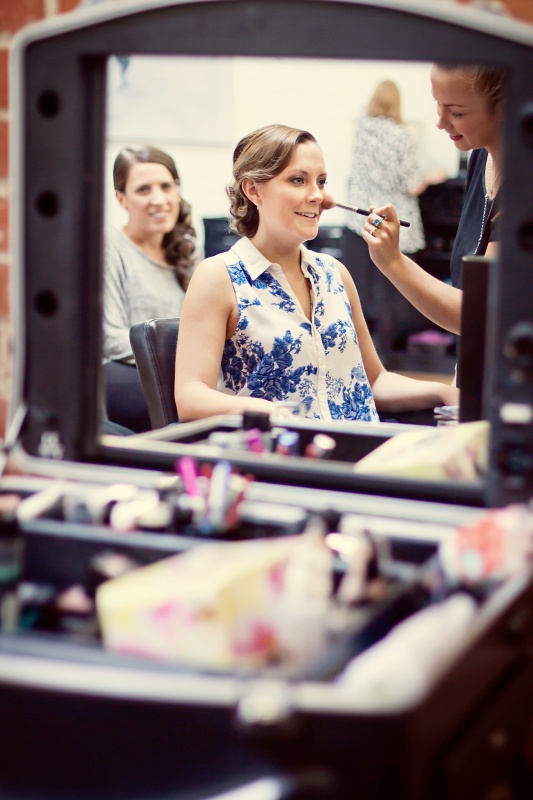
(136, 288)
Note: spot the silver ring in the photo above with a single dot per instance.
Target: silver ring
(377, 222)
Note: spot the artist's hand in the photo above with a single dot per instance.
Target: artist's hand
(383, 239)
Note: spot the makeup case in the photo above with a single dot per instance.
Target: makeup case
(79, 721)
(95, 723)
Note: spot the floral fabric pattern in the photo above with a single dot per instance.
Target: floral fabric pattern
(277, 353)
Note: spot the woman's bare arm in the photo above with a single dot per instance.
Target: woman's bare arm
(209, 317)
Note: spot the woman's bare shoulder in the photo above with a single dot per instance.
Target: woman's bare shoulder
(211, 270)
(212, 264)
(211, 286)
(349, 284)
(343, 271)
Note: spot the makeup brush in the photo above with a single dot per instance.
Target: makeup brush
(365, 213)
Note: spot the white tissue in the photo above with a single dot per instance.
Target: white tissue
(400, 668)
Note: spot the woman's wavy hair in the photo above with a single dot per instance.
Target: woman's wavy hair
(260, 156)
(179, 244)
(386, 102)
(487, 81)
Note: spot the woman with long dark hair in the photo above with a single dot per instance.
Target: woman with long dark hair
(148, 265)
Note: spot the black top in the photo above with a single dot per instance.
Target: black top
(468, 241)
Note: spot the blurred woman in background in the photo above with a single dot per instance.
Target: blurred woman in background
(147, 268)
(385, 167)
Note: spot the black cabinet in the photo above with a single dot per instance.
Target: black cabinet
(440, 206)
(217, 236)
(394, 323)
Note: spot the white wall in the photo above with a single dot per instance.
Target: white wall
(198, 108)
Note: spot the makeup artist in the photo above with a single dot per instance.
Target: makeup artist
(147, 267)
(469, 107)
(284, 323)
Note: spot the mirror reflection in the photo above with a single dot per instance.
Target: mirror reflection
(198, 121)
(198, 108)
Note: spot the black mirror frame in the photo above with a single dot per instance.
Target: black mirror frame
(59, 92)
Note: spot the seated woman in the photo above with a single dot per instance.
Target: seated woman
(147, 269)
(272, 321)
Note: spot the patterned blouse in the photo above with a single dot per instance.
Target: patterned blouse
(276, 353)
(384, 170)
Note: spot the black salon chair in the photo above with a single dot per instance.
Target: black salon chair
(154, 346)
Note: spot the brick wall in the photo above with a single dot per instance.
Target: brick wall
(521, 9)
(14, 14)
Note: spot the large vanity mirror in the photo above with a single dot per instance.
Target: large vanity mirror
(197, 108)
(212, 71)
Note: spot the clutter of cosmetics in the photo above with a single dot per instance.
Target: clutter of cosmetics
(286, 597)
(283, 601)
(71, 610)
(277, 440)
(496, 546)
(202, 498)
(473, 561)
(292, 566)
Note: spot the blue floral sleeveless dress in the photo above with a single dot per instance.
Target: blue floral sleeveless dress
(276, 353)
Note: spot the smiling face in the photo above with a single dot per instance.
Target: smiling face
(290, 204)
(151, 199)
(465, 114)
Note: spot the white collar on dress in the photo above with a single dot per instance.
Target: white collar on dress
(256, 263)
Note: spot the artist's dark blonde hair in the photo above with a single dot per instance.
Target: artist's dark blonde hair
(260, 156)
(486, 81)
(179, 244)
(386, 102)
